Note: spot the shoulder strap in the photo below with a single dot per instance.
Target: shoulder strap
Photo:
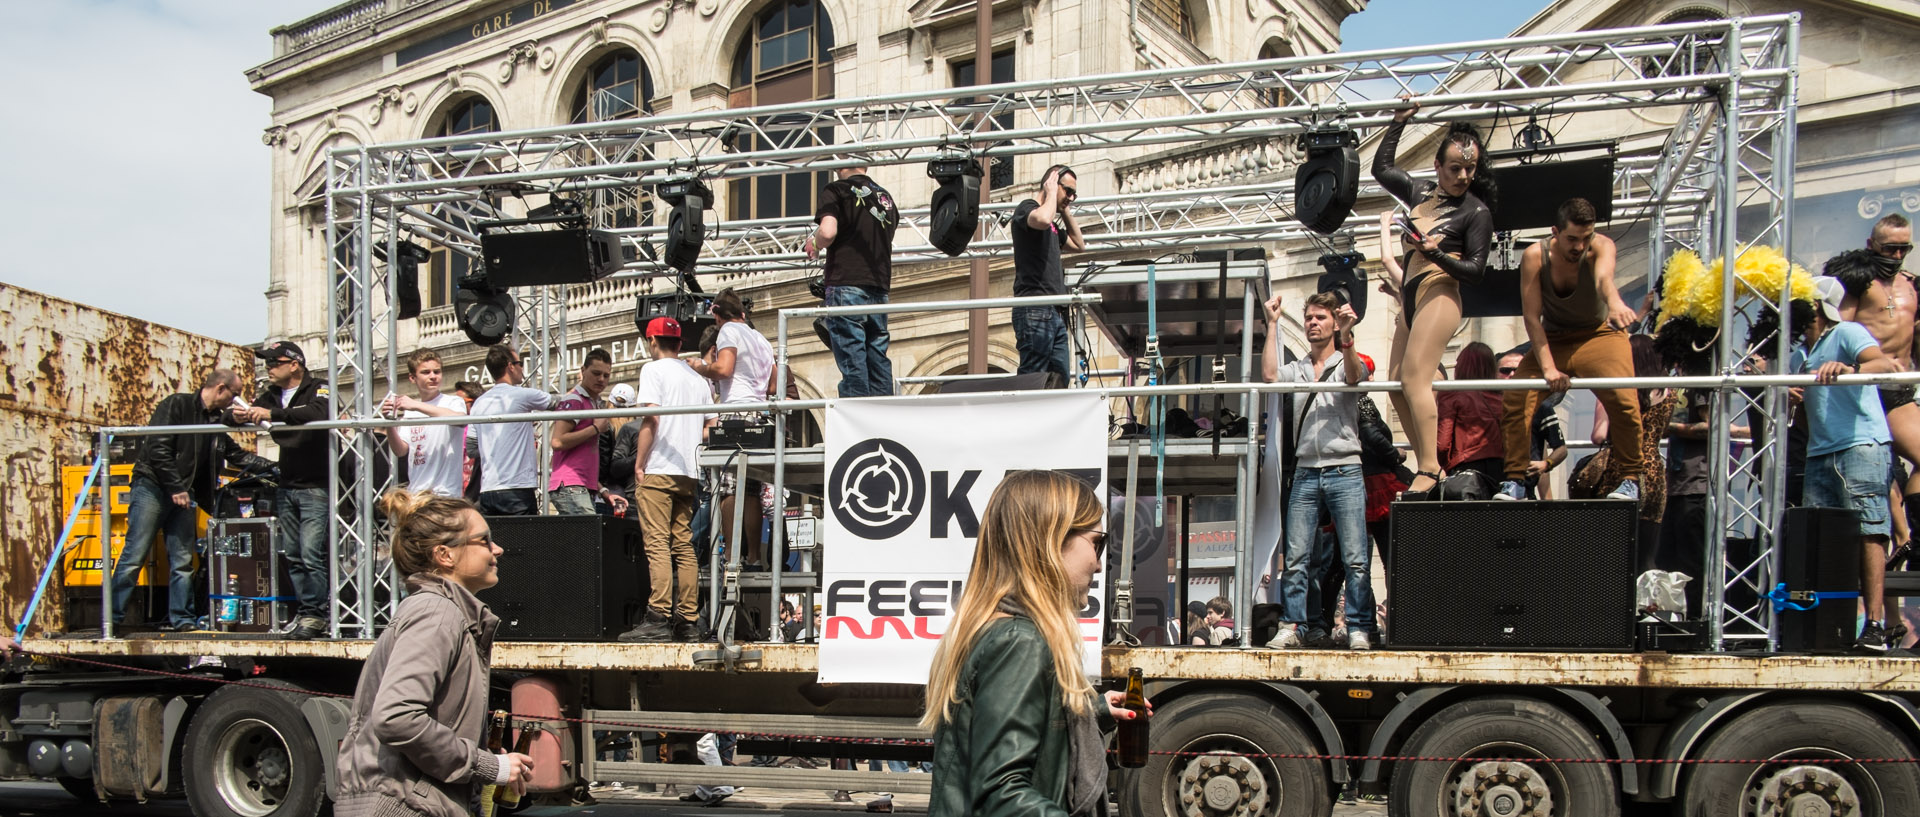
(1299, 422)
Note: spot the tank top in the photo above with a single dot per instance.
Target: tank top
(1581, 310)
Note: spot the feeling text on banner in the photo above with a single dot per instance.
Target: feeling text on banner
(906, 482)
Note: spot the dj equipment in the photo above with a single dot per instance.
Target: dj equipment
(567, 578)
(736, 431)
(250, 589)
(1549, 575)
(1819, 555)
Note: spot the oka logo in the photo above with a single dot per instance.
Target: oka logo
(877, 488)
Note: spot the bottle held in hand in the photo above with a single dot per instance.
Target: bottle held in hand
(1131, 741)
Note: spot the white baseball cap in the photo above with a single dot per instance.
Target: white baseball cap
(622, 395)
(1830, 292)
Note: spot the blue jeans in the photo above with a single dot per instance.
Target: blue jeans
(303, 543)
(1855, 479)
(1342, 491)
(149, 511)
(509, 502)
(1040, 335)
(860, 344)
(572, 500)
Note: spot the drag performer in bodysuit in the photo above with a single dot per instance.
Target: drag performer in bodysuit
(1452, 224)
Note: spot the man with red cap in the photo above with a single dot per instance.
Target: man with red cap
(664, 480)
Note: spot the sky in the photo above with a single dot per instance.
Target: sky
(136, 179)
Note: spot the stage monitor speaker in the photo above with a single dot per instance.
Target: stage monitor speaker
(1549, 575)
(567, 578)
(1530, 194)
(1031, 381)
(1820, 553)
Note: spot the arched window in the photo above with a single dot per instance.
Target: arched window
(1700, 56)
(445, 267)
(1274, 97)
(785, 57)
(617, 86)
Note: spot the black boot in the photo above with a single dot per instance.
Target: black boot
(683, 630)
(654, 627)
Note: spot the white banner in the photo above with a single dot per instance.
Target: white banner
(906, 482)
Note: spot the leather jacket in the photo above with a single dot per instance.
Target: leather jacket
(190, 463)
(1005, 747)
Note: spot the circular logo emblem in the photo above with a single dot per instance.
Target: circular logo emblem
(876, 489)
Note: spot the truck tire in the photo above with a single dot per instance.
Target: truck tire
(1804, 729)
(250, 753)
(1514, 735)
(1225, 785)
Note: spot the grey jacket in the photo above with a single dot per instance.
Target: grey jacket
(416, 744)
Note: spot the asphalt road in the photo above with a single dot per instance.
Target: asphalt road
(49, 800)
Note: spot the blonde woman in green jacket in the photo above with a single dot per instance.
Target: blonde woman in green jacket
(1017, 726)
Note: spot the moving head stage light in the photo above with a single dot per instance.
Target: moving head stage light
(1344, 278)
(485, 311)
(686, 223)
(956, 203)
(1327, 183)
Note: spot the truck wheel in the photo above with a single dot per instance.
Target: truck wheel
(1804, 729)
(1508, 742)
(250, 753)
(1210, 778)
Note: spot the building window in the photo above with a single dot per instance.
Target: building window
(446, 267)
(1174, 13)
(1276, 96)
(1701, 55)
(963, 76)
(785, 57)
(618, 86)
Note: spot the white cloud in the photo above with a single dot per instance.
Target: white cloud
(135, 179)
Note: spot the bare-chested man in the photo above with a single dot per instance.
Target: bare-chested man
(1885, 303)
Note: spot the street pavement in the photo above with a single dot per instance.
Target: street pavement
(49, 800)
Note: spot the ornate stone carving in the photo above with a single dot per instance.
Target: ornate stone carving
(527, 52)
(274, 136)
(411, 104)
(599, 30)
(453, 77)
(388, 97)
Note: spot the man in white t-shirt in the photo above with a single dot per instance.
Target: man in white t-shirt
(508, 472)
(664, 480)
(742, 372)
(435, 454)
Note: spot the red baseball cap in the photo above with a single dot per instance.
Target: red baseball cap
(663, 327)
(1366, 360)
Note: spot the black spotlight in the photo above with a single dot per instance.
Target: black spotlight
(406, 277)
(1326, 184)
(1343, 278)
(686, 223)
(956, 203)
(485, 312)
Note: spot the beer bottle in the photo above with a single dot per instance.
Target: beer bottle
(524, 745)
(497, 744)
(1132, 739)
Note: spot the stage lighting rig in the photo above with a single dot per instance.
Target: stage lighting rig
(1344, 278)
(687, 198)
(1327, 183)
(956, 202)
(485, 311)
(406, 276)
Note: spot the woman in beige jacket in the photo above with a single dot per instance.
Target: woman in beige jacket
(415, 745)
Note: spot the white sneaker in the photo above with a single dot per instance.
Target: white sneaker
(1287, 639)
(1357, 639)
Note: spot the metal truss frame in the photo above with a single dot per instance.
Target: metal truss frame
(1732, 79)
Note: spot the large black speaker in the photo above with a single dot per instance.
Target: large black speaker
(567, 578)
(1530, 194)
(1820, 553)
(1551, 575)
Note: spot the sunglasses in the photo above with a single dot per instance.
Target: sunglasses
(1508, 370)
(1099, 539)
(1896, 248)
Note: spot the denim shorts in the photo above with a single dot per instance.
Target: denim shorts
(1854, 478)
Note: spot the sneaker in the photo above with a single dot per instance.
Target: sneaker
(1357, 639)
(1511, 490)
(683, 630)
(1315, 639)
(1287, 639)
(307, 628)
(1629, 489)
(654, 627)
(1873, 638)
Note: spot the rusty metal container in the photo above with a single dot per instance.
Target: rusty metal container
(66, 369)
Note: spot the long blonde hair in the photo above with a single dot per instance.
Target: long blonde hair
(1018, 556)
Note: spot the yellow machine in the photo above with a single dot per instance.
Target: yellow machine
(80, 562)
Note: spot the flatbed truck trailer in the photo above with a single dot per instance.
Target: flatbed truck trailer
(249, 726)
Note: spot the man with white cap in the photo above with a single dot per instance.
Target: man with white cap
(617, 445)
(1848, 450)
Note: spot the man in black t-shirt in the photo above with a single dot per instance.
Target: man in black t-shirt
(1040, 230)
(857, 219)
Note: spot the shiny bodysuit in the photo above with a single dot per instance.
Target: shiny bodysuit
(1462, 224)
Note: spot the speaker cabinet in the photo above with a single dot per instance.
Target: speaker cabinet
(1820, 553)
(567, 578)
(1551, 575)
